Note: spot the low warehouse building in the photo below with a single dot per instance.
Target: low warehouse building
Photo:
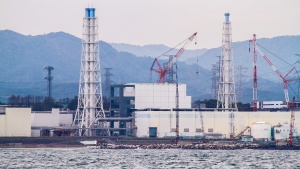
(44, 123)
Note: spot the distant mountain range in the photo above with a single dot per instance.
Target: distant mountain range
(155, 51)
(23, 59)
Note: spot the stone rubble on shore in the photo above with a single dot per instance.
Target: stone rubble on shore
(179, 146)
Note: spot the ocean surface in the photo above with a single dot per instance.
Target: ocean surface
(141, 158)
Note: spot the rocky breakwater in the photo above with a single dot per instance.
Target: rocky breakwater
(203, 146)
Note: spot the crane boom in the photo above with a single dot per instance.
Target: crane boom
(162, 71)
(181, 50)
(285, 81)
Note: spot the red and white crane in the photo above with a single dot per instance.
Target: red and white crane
(284, 80)
(162, 71)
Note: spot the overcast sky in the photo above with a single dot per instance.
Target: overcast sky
(142, 22)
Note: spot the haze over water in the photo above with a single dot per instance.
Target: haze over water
(141, 158)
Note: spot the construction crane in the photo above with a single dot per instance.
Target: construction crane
(291, 136)
(162, 71)
(240, 134)
(284, 80)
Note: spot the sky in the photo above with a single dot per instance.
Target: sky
(143, 22)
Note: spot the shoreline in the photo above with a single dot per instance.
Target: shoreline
(153, 146)
(139, 143)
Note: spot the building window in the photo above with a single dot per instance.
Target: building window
(210, 130)
(186, 130)
(173, 130)
(198, 130)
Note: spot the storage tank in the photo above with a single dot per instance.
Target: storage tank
(261, 131)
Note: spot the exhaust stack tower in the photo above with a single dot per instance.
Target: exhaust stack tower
(226, 91)
(90, 104)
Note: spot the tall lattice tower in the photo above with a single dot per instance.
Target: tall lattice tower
(226, 91)
(215, 79)
(90, 104)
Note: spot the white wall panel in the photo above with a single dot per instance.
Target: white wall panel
(2, 124)
(160, 96)
(65, 119)
(45, 119)
(18, 122)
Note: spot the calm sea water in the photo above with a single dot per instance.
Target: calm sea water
(140, 158)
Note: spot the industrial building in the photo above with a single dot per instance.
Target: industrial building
(127, 98)
(152, 107)
(215, 122)
(22, 122)
(50, 123)
(15, 122)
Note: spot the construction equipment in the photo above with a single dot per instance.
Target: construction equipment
(284, 80)
(240, 134)
(162, 71)
(291, 136)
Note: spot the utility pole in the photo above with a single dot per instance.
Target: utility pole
(292, 124)
(177, 107)
(49, 79)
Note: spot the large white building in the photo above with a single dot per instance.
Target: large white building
(127, 98)
(154, 110)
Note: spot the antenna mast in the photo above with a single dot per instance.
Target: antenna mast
(49, 79)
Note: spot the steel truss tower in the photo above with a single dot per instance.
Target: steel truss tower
(226, 91)
(90, 104)
(170, 72)
(214, 80)
(107, 75)
(254, 101)
(240, 76)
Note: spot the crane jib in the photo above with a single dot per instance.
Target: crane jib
(162, 71)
